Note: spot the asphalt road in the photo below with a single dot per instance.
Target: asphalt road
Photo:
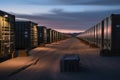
(93, 66)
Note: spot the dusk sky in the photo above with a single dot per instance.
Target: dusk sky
(62, 15)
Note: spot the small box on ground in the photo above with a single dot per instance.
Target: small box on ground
(70, 63)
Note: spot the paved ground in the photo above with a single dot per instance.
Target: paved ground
(93, 66)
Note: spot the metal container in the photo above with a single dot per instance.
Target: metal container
(26, 35)
(106, 35)
(49, 36)
(7, 36)
(42, 35)
(70, 63)
(58, 36)
(52, 35)
(112, 34)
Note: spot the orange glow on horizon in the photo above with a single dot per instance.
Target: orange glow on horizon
(69, 31)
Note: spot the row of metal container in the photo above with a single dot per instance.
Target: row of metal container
(29, 35)
(18, 35)
(105, 35)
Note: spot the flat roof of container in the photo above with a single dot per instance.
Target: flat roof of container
(42, 26)
(2, 13)
(71, 57)
(26, 22)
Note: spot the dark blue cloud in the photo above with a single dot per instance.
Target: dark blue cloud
(74, 2)
(90, 2)
(69, 20)
(62, 2)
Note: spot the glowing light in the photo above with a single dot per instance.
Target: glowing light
(69, 31)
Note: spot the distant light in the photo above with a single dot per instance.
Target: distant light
(5, 16)
(69, 31)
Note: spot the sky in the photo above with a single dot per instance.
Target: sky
(67, 16)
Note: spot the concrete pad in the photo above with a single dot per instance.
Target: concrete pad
(11, 66)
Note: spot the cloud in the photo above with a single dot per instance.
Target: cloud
(68, 20)
(74, 2)
(61, 2)
(90, 2)
(65, 14)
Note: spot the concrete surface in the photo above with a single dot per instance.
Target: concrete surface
(13, 66)
(93, 66)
